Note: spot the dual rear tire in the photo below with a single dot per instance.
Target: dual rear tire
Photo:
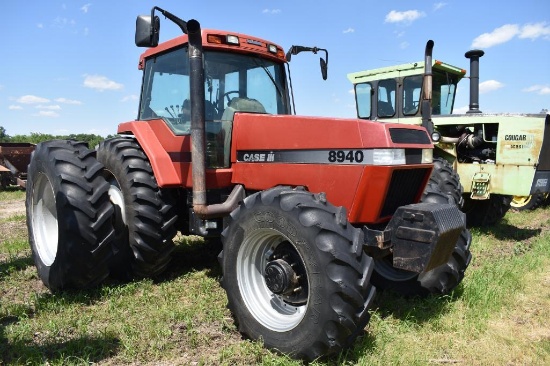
(68, 215)
(90, 217)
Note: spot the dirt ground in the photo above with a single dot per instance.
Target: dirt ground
(12, 208)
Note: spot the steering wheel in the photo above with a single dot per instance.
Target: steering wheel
(226, 95)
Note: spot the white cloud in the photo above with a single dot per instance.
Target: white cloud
(15, 107)
(534, 31)
(86, 7)
(539, 89)
(489, 86)
(49, 107)
(405, 17)
(271, 11)
(438, 6)
(349, 30)
(101, 83)
(31, 99)
(129, 98)
(51, 114)
(499, 35)
(40, 25)
(67, 101)
(404, 45)
(508, 31)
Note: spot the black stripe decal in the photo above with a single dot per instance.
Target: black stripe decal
(342, 157)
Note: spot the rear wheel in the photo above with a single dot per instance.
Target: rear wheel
(523, 203)
(144, 214)
(68, 215)
(295, 273)
(440, 280)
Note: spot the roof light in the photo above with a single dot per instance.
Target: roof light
(232, 39)
(272, 48)
(214, 38)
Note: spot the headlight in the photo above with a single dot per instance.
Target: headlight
(427, 156)
(388, 157)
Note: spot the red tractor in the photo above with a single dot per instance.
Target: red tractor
(313, 213)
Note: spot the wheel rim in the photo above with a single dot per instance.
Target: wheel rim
(44, 220)
(117, 199)
(520, 201)
(273, 311)
(385, 268)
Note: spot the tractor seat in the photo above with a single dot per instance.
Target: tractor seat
(242, 105)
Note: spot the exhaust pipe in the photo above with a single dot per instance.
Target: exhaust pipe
(196, 81)
(198, 127)
(474, 56)
(426, 108)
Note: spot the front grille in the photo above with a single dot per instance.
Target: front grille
(404, 187)
(409, 136)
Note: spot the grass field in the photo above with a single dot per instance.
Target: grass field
(499, 315)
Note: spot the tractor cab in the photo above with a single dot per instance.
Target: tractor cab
(233, 82)
(396, 92)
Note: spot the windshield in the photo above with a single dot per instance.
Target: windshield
(256, 83)
(443, 92)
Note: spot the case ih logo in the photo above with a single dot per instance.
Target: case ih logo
(519, 141)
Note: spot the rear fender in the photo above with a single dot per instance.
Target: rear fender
(162, 165)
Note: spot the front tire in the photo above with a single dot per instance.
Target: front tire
(440, 280)
(295, 273)
(68, 215)
(144, 214)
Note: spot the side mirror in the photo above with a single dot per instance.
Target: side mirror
(147, 31)
(294, 50)
(324, 68)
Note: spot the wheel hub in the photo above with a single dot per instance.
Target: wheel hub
(280, 278)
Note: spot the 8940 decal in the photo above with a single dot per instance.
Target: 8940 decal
(341, 156)
(346, 157)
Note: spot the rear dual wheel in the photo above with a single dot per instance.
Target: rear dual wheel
(295, 273)
(68, 215)
(145, 215)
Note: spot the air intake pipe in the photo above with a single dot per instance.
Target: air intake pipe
(474, 56)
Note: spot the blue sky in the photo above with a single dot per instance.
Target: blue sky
(71, 66)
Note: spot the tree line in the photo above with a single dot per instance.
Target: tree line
(35, 137)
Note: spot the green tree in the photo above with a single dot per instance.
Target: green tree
(3, 135)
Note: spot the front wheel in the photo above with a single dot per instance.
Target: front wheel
(295, 273)
(68, 215)
(440, 280)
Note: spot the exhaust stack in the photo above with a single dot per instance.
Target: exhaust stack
(474, 56)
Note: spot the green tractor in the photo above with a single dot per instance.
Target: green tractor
(501, 159)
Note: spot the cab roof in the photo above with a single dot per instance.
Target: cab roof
(392, 72)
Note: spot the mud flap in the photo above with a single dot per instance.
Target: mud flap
(424, 235)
